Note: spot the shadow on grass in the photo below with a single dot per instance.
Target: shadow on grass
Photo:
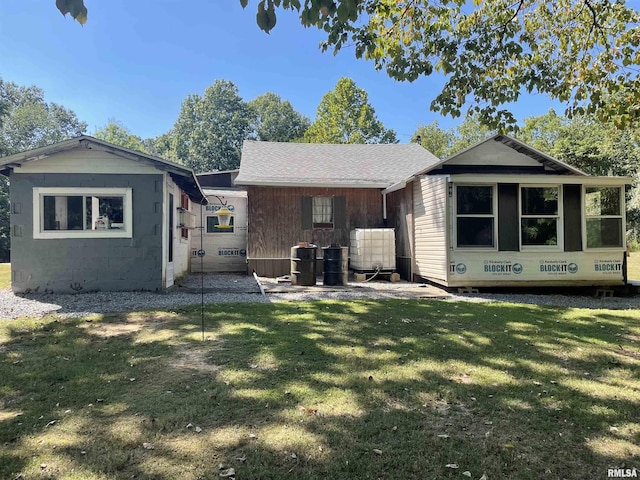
(367, 389)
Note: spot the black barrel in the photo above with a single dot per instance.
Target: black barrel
(303, 265)
(335, 265)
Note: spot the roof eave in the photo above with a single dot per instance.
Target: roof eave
(267, 183)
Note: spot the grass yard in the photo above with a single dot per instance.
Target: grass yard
(633, 266)
(5, 275)
(341, 390)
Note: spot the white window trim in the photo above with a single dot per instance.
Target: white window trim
(494, 215)
(585, 217)
(559, 216)
(38, 212)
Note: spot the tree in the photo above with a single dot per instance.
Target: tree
(74, 7)
(472, 130)
(115, 132)
(543, 132)
(581, 52)
(435, 139)
(26, 122)
(345, 116)
(30, 122)
(593, 147)
(210, 130)
(275, 120)
(163, 146)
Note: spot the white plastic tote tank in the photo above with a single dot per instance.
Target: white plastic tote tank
(372, 249)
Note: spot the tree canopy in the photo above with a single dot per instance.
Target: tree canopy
(115, 132)
(345, 116)
(209, 131)
(275, 120)
(27, 122)
(581, 52)
(435, 139)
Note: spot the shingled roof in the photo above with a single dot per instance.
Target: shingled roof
(327, 165)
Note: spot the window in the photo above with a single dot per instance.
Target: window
(539, 217)
(322, 212)
(212, 225)
(82, 212)
(475, 220)
(603, 213)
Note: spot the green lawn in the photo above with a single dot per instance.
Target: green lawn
(633, 266)
(5, 275)
(324, 390)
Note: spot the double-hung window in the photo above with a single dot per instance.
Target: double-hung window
(322, 212)
(540, 216)
(603, 214)
(475, 216)
(82, 212)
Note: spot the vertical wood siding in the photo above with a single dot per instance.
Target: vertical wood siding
(431, 234)
(400, 217)
(275, 222)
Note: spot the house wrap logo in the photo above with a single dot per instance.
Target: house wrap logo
(502, 267)
(557, 267)
(607, 266)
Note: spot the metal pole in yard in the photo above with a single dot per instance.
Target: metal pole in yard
(201, 253)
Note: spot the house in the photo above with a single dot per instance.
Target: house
(502, 213)
(317, 193)
(225, 248)
(87, 215)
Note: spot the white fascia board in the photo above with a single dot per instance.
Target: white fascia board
(542, 179)
(396, 186)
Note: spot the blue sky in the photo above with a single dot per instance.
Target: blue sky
(136, 61)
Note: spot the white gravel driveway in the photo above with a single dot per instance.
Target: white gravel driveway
(228, 288)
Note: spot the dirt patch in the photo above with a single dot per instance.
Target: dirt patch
(192, 358)
(131, 324)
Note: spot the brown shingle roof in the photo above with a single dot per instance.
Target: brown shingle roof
(309, 164)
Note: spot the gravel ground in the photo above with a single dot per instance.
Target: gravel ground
(241, 288)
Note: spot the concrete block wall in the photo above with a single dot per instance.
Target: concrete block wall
(87, 264)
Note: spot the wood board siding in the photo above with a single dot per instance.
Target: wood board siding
(430, 208)
(400, 217)
(275, 223)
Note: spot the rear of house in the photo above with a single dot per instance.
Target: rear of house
(87, 215)
(504, 214)
(316, 193)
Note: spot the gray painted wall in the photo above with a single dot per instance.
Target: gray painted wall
(87, 264)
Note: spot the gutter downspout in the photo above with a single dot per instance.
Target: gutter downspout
(384, 209)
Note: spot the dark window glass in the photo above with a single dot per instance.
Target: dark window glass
(62, 213)
(604, 232)
(475, 231)
(539, 231)
(539, 200)
(474, 200)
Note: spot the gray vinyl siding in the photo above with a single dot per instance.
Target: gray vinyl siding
(430, 224)
(87, 264)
